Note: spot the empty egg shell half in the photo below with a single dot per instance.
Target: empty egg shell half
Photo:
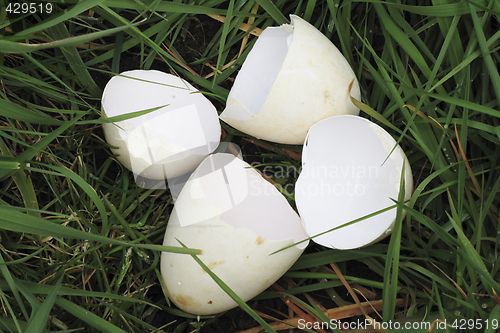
(230, 212)
(164, 143)
(350, 170)
(292, 78)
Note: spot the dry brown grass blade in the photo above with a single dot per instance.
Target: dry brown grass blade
(431, 330)
(420, 113)
(458, 154)
(315, 301)
(469, 170)
(243, 26)
(355, 310)
(343, 312)
(296, 307)
(368, 294)
(266, 316)
(209, 75)
(348, 287)
(452, 281)
(179, 60)
(424, 116)
(376, 312)
(353, 294)
(302, 314)
(251, 20)
(293, 155)
(495, 295)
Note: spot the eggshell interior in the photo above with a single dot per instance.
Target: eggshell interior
(237, 219)
(347, 173)
(165, 143)
(292, 78)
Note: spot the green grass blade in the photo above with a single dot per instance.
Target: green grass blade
(402, 39)
(459, 102)
(13, 287)
(29, 153)
(17, 112)
(88, 317)
(38, 321)
(338, 227)
(65, 15)
(12, 220)
(11, 325)
(470, 254)
(9, 165)
(167, 6)
(225, 32)
(492, 68)
(28, 257)
(440, 10)
(60, 32)
(42, 289)
(115, 119)
(389, 293)
(14, 47)
(87, 189)
(273, 11)
(493, 318)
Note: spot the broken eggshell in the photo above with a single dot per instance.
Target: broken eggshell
(350, 170)
(230, 212)
(292, 78)
(164, 143)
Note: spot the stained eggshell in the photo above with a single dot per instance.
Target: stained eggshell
(164, 143)
(237, 219)
(292, 78)
(350, 170)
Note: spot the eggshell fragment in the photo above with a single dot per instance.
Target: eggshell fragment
(164, 143)
(348, 171)
(237, 219)
(292, 78)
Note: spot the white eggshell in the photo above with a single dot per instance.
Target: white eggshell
(165, 143)
(347, 173)
(292, 78)
(237, 219)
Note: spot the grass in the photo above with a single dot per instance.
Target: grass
(80, 242)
